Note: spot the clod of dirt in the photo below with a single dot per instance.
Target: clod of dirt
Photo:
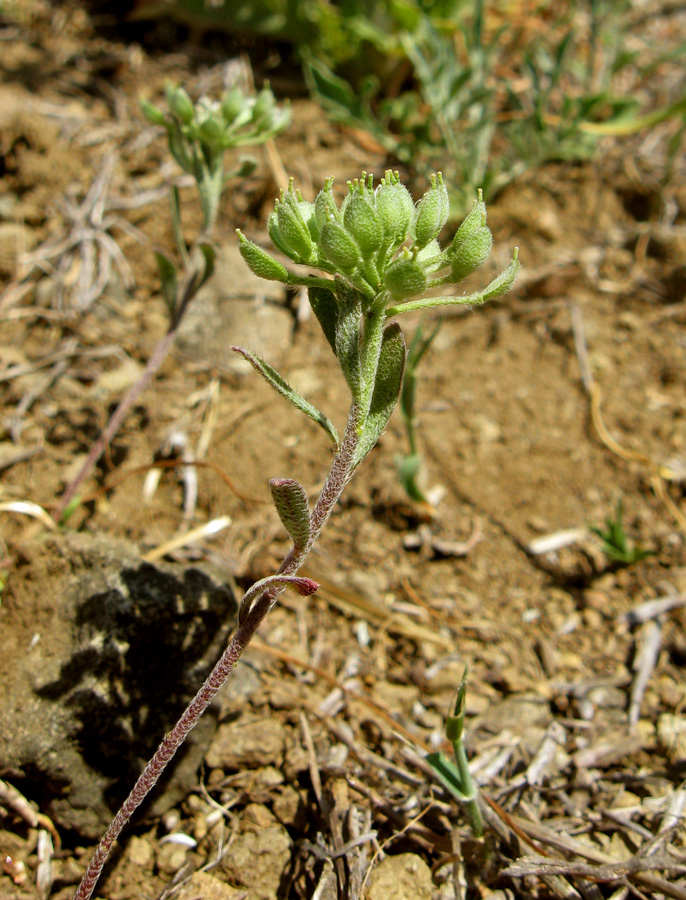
(236, 307)
(259, 855)
(204, 885)
(402, 877)
(101, 654)
(247, 743)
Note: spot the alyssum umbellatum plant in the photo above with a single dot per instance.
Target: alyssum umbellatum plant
(383, 254)
(198, 135)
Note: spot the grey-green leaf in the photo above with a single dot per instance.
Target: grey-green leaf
(347, 346)
(291, 504)
(169, 279)
(389, 379)
(281, 385)
(325, 307)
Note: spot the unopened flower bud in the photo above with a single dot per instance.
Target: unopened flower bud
(179, 102)
(476, 218)
(405, 277)
(154, 115)
(325, 205)
(273, 231)
(264, 107)
(394, 208)
(293, 229)
(260, 262)
(339, 248)
(432, 212)
(471, 253)
(211, 132)
(232, 104)
(362, 222)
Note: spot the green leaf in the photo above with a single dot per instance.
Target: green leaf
(175, 205)
(209, 256)
(448, 774)
(387, 385)
(408, 469)
(325, 307)
(291, 504)
(169, 279)
(283, 388)
(347, 347)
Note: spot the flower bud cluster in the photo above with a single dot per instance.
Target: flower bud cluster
(216, 125)
(377, 238)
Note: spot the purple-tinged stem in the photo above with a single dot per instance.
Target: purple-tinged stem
(339, 475)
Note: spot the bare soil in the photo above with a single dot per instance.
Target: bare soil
(577, 732)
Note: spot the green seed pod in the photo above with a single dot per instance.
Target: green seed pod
(394, 208)
(273, 231)
(307, 212)
(264, 107)
(211, 132)
(260, 262)
(471, 253)
(339, 247)
(154, 115)
(325, 206)
(179, 102)
(232, 104)
(405, 277)
(293, 229)
(432, 212)
(476, 218)
(362, 222)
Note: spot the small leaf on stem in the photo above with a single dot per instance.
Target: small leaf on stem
(281, 385)
(389, 379)
(291, 504)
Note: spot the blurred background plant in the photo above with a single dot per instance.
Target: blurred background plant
(481, 90)
(617, 547)
(198, 134)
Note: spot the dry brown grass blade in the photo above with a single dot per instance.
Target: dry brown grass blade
(353, 604)
(530, 831)
(334, 682)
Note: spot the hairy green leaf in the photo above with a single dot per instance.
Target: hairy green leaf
(348, 335)
(389, 379)
(281, 385)
(169, 279)
(325, 307)
(291, 504)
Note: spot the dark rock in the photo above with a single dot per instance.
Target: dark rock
(101, 653)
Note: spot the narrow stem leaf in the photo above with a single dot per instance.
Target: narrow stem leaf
(291, 504)
(279, 384)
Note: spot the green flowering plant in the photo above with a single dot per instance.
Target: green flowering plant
(379, 253)
(199, 135)
(384, 255)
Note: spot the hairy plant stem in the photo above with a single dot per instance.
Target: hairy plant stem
(339, 475)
